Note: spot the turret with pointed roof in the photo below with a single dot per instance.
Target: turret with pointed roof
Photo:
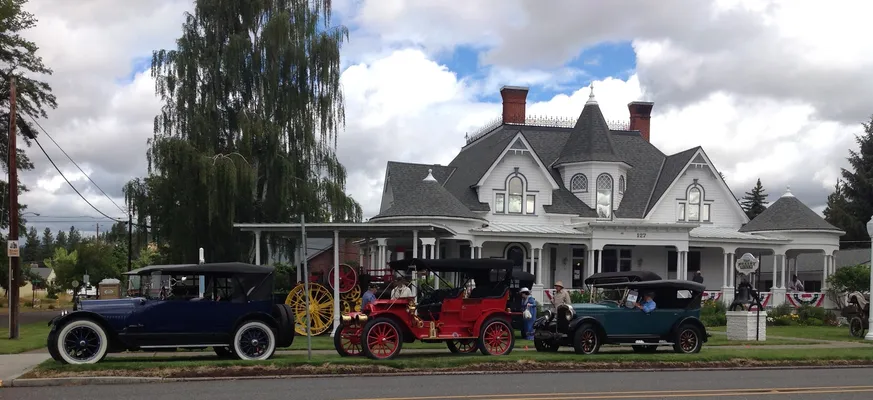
(590, 139)
(788, 213)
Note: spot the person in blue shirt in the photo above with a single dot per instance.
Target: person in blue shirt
(648, 305)
(529, 304)
(369, 296)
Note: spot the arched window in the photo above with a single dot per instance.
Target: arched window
(693, 204)
(621, 184)
(515, 253)
(579, 183)
(694, 207)
(515, 194)
(604, 196)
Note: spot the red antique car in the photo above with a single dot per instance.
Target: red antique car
(466, 320)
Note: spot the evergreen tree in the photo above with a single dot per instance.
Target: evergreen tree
(61, 240)
(838, 210)
(73, 239)
(754, 202)
(248, 130)
(31, 250)
(857, 189)
(18, 58)
(47, 247)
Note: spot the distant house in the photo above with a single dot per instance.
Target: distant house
(45, 274)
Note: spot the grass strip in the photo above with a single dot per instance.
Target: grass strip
(30, 337)
(203, 366)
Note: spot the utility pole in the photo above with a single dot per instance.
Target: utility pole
(129, 240)
(14, 260)
(98, 231)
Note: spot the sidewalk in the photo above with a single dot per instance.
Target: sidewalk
(14, 365)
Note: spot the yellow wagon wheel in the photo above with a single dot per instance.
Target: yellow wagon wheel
(352, 295)
(320, 308)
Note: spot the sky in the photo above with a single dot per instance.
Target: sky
(771, 89)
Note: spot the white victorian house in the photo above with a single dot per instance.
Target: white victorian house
(567, 198)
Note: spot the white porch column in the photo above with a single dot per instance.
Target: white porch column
(257, 247)
(436, 249)
(782, 272)
(599, 255)
(825, 272)
(684, 266)
(539, 265)
(775, 282)
(383, 253)
(414, 244)
(731, 263)
(428, 249)
(373, 250)
(590, 263)
(336, 286)
(724, 259)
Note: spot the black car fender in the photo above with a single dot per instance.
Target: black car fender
(256, 316)
(674, 330)
(577, 322)
(60, 320)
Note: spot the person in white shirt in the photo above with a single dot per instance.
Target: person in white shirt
(401, 290)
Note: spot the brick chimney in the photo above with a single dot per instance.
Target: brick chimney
(640, 117)
(514, 101)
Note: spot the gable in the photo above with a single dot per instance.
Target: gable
(519, 147)
(698, 172)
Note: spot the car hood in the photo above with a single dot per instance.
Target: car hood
(109, 305)
(582, 307)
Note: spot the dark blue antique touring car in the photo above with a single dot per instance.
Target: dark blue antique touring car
(226, 306)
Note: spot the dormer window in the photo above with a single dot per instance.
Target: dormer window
(516, 197)
(604, 196)
(694, 207)
(621, 184)
(579, 183)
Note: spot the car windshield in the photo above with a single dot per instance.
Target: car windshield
(167, 287)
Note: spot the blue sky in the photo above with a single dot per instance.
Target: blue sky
(604, 60)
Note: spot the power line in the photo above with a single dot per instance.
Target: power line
(74, 163)
(69, 183)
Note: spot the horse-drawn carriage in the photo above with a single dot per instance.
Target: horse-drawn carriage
(857, 312)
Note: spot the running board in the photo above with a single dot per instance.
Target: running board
(661, 343)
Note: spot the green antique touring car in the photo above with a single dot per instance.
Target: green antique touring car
(613, 318)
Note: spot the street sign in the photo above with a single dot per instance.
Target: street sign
(12, 248)
(747, 264)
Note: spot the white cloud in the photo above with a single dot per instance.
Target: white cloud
(772, 89)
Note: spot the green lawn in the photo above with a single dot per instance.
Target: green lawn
(30, 337)
(834, 333)
(204, 366)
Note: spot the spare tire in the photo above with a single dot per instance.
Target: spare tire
(285, 332)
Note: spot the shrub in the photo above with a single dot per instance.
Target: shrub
(51, 306)
(782, 310)
(579, 297)
(712, 313)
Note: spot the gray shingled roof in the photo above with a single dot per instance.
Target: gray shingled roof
(788, 213)
(413, 196)
(590, 139)
(671, 168)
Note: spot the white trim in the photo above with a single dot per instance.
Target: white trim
(427, 217)
(724, 186)
(555, 163)
(830, 232)
(533, 154)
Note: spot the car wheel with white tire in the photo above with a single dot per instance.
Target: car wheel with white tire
(254, 340)
(81, 341)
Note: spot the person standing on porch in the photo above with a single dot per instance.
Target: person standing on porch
(561, 296)
(797, 285)
(530, 313)
(698, 277)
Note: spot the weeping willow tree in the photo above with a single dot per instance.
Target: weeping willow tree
(248, 130)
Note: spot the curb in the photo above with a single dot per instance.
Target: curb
(124, 380)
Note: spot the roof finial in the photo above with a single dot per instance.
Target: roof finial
(591, 99)
(429, 177)
(788, 192)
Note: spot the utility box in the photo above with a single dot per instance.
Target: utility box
(109, 289)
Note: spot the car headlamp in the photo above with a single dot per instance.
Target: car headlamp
(549, 315)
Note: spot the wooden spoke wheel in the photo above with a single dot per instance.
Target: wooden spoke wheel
(348, 278)
(463, 346)
(352, 295)
(347, 341)
(320, 308)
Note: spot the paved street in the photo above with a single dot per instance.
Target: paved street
(28, 317)
(836, 384)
